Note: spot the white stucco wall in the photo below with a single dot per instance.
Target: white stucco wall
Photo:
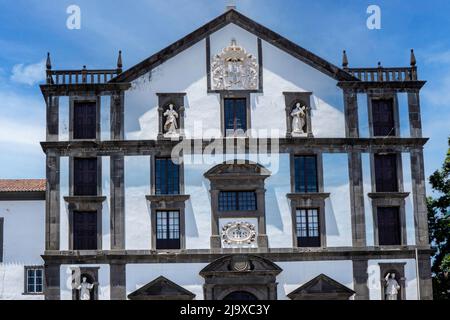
(374, 283)
(23, 244)
(409, 203)
(64, 208)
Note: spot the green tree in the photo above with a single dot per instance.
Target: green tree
(439, 225)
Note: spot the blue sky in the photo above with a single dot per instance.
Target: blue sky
(29, 28)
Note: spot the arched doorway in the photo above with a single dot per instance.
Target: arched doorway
(240, 296)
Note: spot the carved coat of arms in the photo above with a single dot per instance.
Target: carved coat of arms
(234, 69)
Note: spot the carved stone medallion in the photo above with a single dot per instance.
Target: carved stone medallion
(239, 233)
(234, 69)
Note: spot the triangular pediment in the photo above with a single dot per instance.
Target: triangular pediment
(239, 169)
(241, 264)
(233, 16)
(161, 289)
(321, 287)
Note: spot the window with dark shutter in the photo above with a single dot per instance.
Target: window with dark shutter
(167, 177)
(84, 120)
(383, 117)
(307, 227)
(389, 229)
(85, 230)
(305, 174)
(85, 176)
(235, 114)
(386, 173)
(168, 230)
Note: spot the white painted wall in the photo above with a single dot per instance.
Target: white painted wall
(374, 283)
(64, 207)
(23, 244)
(103, 280)
(106, 191)
(367, 183)
(409, 203)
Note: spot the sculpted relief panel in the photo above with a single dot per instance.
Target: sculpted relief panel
(234, 69)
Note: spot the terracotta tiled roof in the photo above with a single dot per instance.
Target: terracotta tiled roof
(22, 185)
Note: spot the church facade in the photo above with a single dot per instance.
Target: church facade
(235, 165)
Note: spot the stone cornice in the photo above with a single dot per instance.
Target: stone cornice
(306, 196)
(168, 198)
(388, 195)
(366, 86)
(83, 88)
(286, 145)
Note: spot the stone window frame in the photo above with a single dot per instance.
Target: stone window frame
(399, 269)
(387, 200)
(381, 95)
(167, 202)
(93, 273)
(177, 99)
(2, 235)
(310, 200)
(25, 280)
(238, 182)
(236, 94)
(291, 99)
(82, 98)
(72, 172)
(399, 170)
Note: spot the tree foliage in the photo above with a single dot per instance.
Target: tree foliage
(439, 225)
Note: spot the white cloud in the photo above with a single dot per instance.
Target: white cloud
(29, 74)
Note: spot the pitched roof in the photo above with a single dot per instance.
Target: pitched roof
(322, 287)
(233, 16)
(22, 185)
(161, 289)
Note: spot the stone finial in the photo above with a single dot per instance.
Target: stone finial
(231, 5)
(119, 60)
(49, 62)
(413, 59)
(379, 64)
(344, 59)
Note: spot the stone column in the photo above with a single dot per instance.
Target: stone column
(117, 273)
(52, 204)
(52, 118)
(424, 277)
(355, 170)
(52, 282)
(117, 116)
(360, 278)
(419, 198)
(117, 200)
(415, 123)
(263, 241)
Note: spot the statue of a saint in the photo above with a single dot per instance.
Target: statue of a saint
(391, 287)
(298, 119)
(170, 126)
(85, 289)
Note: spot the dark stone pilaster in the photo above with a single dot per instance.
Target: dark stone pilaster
(419, 198)
(52, 118)
(360, 278)
(52, 282)
(117, 116)
(52, 205)
(117, 273)
(357, 199)
(351, 114)
(424, 277)
(117, 198)
(415, 123)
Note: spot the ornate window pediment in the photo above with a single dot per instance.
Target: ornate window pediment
(234, 69)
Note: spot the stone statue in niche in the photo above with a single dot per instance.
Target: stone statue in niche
(391, 287)
(170, 126)
(299, 120)
(85, 289)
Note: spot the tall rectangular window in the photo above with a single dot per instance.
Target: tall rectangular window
(235, 112)
(85, 230)
(168, 230)
(306, 174)
(237, 201)
(383, 117)
(85, 176)
(34, 280)
(167, 176)
(85, 120)
(307, 227)
(386, 179)
(389, 229)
